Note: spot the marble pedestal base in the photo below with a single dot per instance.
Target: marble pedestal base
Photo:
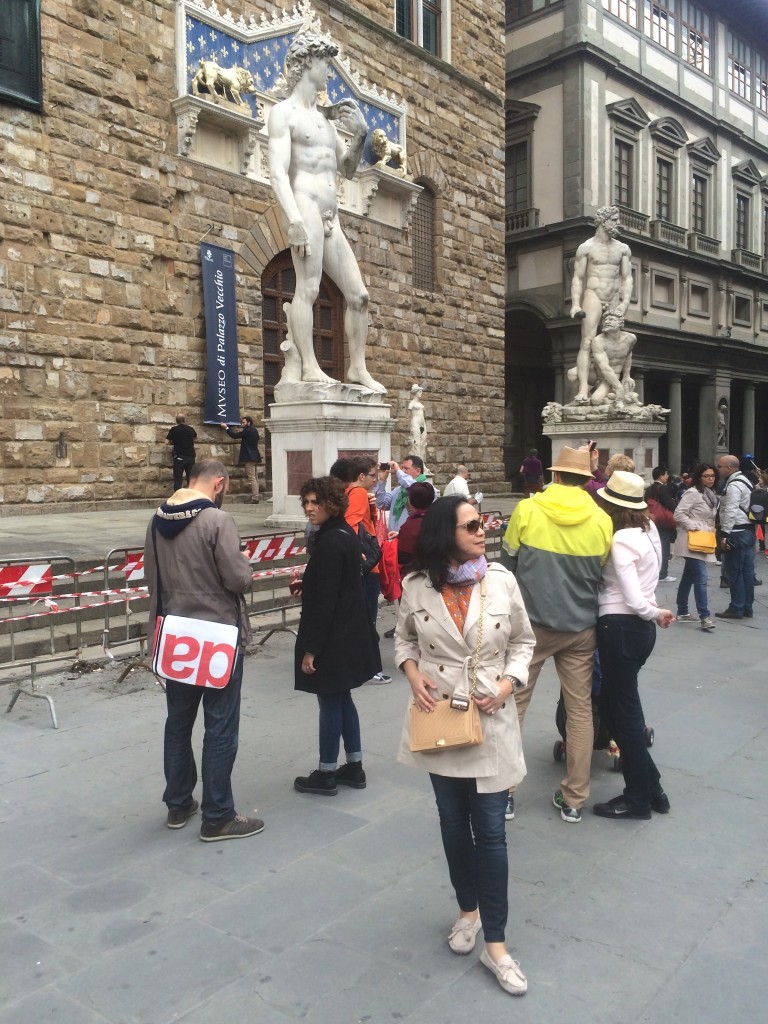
(638, 440)
(308, 436)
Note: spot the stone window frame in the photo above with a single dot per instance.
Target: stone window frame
(628, 120)
(423, 239)
(746, 318)
(517, 10)
(704, 288)
(659, 277)
(408, 23)
(25, 56)
(669, 137)
(746, 179)
(520, 120)
(764, 315)
(703, 160)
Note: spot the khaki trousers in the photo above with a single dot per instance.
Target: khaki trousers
(252, 476)
(574, 662)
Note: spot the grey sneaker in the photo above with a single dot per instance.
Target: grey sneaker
(570, 814)
(179, 816)
(708, 624)
(686, 618)
(239, 827)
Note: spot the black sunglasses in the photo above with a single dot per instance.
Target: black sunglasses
(472, 526)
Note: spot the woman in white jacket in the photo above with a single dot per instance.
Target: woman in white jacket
(696, 510)
(444, 602)
(626, 635)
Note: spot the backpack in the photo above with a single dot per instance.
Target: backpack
(370, 550)
(757, 505)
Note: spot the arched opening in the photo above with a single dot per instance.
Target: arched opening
(529, 384)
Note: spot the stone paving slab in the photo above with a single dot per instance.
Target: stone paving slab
(339, 911)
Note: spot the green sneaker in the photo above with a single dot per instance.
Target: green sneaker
(567, 813)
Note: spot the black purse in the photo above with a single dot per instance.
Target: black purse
(370, 550)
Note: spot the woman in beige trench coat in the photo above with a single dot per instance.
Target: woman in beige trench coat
(436, 646)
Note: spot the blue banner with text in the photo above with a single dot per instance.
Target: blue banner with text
(222, 394)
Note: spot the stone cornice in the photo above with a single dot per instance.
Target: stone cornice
(587, 52)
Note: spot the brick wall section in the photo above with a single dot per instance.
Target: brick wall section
(101, 324)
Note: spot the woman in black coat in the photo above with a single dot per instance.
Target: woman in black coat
(336, 648)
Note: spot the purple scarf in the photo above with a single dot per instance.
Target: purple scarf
(468, 572)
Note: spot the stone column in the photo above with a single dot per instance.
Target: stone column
(707, 421)
(674, 426)
(748, 424)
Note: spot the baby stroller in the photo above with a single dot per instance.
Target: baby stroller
(603, 739)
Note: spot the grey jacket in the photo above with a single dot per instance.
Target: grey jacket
(203, 572)
(693, 512)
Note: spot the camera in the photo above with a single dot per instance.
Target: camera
(384, 467)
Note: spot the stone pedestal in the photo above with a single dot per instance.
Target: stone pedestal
(639, 440)
(312, 427)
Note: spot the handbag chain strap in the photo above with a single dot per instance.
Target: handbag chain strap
(479, 637)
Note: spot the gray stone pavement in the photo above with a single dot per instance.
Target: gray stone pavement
(338, 912)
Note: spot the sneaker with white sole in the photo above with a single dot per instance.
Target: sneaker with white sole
(708, 624)
(379, 679)
(668, 579)
(238, 827)
(179, 816)
(462, 937)
(509, 813)
(507, 972)
(687, 617)
(569, 814)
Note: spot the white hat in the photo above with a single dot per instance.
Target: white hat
(625, 489)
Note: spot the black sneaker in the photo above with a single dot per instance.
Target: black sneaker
(619, 808)
(660, 803)
(321, 783)
(351, 774)
(239, 827)
(179, 816)
(390, 634)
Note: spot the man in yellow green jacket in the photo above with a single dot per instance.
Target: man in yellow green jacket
(556, 543)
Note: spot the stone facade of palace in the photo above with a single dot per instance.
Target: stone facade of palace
(660, 108)
(111, 180)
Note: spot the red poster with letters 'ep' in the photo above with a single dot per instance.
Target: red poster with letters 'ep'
(194, 651)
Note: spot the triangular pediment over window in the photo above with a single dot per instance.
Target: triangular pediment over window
(704, 150)
(669, 131)
(747, 172)
(519, 114)
(629, 113)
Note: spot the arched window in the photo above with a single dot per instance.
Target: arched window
(278, 284)
(423, 237)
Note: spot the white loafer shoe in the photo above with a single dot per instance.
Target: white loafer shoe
(508, 973)
(462, 937)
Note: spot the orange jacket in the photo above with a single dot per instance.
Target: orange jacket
(359, 511)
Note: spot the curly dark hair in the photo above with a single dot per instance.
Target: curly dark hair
(329, 491)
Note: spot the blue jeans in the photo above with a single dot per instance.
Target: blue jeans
(372, 584)
(666, 536)
(694, 575)
(221, 710)
(625, 643)
(338, 718)
(475, 843)
(739, 563)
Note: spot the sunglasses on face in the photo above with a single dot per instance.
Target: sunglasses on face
(473, 526)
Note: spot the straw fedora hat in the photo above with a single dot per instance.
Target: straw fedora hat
(625, 489)
(570, 460)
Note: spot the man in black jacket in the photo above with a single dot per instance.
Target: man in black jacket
(182, 437)
(250, 456)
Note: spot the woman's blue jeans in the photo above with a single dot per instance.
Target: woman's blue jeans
(221, 716)
(338, 718)
(694, 575)
(475, 842)
(625, 643)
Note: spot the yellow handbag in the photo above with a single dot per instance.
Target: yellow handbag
(703, 542)
(447, 727)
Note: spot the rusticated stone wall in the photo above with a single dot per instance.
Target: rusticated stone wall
(101, 326)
